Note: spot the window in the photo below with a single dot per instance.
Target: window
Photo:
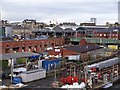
(29, 48)
(100, 34)
(23, 49)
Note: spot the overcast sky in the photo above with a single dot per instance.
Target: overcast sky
(61, 10)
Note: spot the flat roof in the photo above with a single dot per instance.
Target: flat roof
(17, 55)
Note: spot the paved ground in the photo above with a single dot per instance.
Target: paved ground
(43, 83)
(115, 87)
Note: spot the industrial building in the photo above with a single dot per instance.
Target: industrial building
(21, 72)
(105, 71)
(36, 45)
(6, 31)
(82, 53)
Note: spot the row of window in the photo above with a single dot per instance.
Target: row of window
(110, 35)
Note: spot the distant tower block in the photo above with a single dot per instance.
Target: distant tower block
(93, 20)
(119, 12)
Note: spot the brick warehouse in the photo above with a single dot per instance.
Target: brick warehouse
(84, 52)
(37, 46)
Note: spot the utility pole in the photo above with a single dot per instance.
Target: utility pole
(26, 63)
(74, 71)
(70, 70)
(12, 67)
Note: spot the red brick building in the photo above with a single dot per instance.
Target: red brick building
(37, 46)
(108, 33)
(84, 51)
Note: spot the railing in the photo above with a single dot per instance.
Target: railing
(96, 40)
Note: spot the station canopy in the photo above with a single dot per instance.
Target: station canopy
(18, 55)
(105, 64)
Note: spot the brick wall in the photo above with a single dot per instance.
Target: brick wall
(63, 52)
(32, 45)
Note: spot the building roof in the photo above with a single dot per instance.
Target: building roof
(109, 30)
(84, 48)
(69, 30)
(20, 27)
(57, 28)
(68, 24)
(80, 28)
(105, 64)
(17, 55)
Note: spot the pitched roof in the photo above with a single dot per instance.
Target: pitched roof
(69, 30)
(85, 48)
(80, 28)
(57, 28)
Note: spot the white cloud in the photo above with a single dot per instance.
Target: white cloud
(61, 10)
(60, 0)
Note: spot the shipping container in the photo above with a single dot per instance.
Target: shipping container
(50, 64)
(29, 76)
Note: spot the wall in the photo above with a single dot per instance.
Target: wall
(63, 52)
(9, 31)
(30, 45)
(50, 64)
(106, 35)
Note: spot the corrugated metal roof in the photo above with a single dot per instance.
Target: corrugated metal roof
(17, 55)
(105, 64)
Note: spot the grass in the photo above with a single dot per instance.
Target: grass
(4, 64)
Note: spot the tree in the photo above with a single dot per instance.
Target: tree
(116, 24)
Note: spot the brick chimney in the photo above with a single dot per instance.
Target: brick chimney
(83, 42)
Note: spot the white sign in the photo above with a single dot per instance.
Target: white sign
(57, 50)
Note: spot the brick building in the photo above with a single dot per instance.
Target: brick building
(83, 51)
(30, 45)
(107, 33)
(88, 24)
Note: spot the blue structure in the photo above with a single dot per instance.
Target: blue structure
(50, 64)
(17, 80)
(35, 57)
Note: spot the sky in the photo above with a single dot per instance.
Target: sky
(60, 10)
